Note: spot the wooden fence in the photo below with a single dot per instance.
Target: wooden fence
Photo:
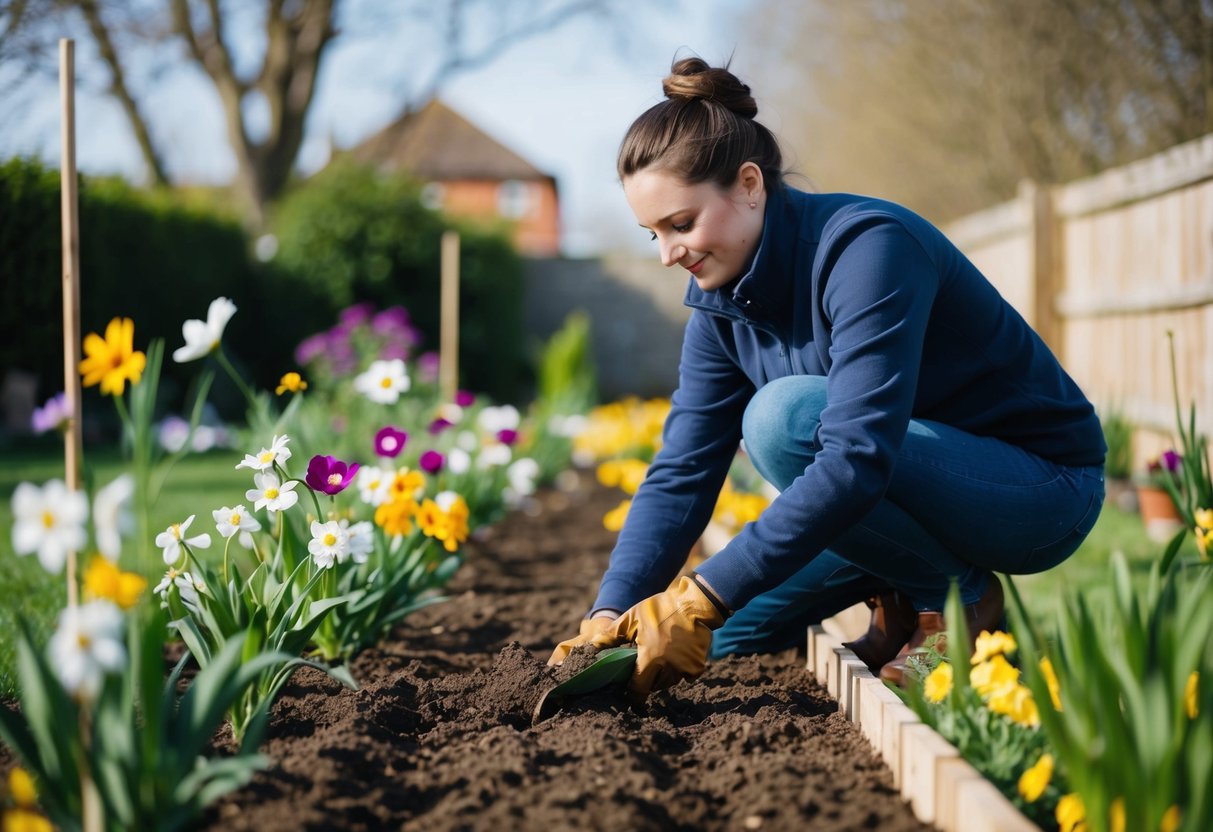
(1103, 268)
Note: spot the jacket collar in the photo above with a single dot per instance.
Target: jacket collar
(762, 295)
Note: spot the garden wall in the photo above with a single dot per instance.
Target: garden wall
(636, 317)
(1103, 268)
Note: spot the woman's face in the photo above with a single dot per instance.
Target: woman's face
(710, 231)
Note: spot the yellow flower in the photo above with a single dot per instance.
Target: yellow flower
(395, 517)
(23, 820)
(1033, 781)
(609, 473)
(1116, 815)
(1071, 814)
(991, 677)
(613, 520)
(1204, 531)
(290, 383)
(112, 360)
(938, 683)
(445, 518)
(103, 579)
(1191, 691)
(406, 485)
(992, 644)
(1046, 669)
(1170, 819)
(21, 787)
(1015, 701)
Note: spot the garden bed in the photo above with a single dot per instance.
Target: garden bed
(440, 735)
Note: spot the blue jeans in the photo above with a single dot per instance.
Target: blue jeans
(958, 507)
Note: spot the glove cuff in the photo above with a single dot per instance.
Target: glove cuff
(710, 594)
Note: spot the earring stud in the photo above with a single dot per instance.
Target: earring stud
(753, 204)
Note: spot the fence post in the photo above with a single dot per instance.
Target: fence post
(1046, 265)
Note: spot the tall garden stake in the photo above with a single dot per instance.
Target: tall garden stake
(73, 445)
(448, 360)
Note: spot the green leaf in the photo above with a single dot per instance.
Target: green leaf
(612, 666)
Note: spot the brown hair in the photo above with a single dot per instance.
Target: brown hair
(703, 131)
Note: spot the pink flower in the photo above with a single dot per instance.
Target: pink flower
(389, 441)
(465, 398)
(329, 474)
(53, 415)
(427, 366)
(507, 436)
(439, 425)
(431, 462)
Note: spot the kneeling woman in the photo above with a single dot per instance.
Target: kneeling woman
(919, 431)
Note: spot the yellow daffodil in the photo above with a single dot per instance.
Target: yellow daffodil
(452, 525)
(103, 579)
(24, 820)
(395, 517)
(290, 383)
(1116, 815)
(1071, 815)
(112, 361)
(1204, 532)
(1015, 701)
(21, 788)
(938, 683)
(993, 676)
(1170, 819)
(613, 520)
(992, 644)
(1033, 781)
(1046, 669)
(1191, 691)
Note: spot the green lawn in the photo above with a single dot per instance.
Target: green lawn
(201, 483)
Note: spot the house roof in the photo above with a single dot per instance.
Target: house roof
(437, 143)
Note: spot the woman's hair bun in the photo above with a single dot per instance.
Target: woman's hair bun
(692, 78)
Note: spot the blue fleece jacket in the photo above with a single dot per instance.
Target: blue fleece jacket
(875, 298)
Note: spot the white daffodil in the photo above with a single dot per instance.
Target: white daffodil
(264, 459)
(169, 578)
(271, 494)
(361, 539)
(170, 540)
(458, 461)
(494, 455)
(330, 544)
(494, 419)
(202, 337)
(383, 381)
(188, 587)
(229, 521)
(49, 521)
(112, 516)
(374, 484)
(87, 645)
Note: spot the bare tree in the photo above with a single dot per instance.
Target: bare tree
(294, 36)
(948, 105)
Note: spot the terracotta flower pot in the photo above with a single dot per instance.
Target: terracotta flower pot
(1158, 512)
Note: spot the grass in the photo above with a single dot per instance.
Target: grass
(200, 483)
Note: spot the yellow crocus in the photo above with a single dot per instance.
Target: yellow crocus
(1071, 815)
(1191, 691)
(992, 676)
(1046, 669)
(613, 520)
(103, 579)
(992, 644)
(1033, 781)
(21, 788)
(112, 360)
(290, 383)
(938, 683)
(1116, 815)
(1204, 531)
(1170, 819)
(1015, 702)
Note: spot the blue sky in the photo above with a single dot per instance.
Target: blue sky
(562, 100)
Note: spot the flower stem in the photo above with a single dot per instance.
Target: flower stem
(226, 364)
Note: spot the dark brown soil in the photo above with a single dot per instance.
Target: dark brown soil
(440, 735)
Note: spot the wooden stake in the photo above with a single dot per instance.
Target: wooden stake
(448, 360)
(68, 197)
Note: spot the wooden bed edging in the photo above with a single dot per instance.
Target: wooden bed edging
(941, 787)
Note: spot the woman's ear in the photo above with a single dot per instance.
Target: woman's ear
(749, 181)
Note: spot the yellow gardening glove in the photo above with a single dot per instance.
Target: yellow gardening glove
(672, 631)
(590, 627)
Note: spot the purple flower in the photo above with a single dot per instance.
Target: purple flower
(427, 366)
(390, 320)
(311, 347)
(439, 425)
(465, 398)
(357, 314)
(390, 351)
(507, 436)
(431, 462)
(329, 474)
(53, 415)
(389, 441)
(1171, 460)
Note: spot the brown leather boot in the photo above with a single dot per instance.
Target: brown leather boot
(893, 619)
(986, 614)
